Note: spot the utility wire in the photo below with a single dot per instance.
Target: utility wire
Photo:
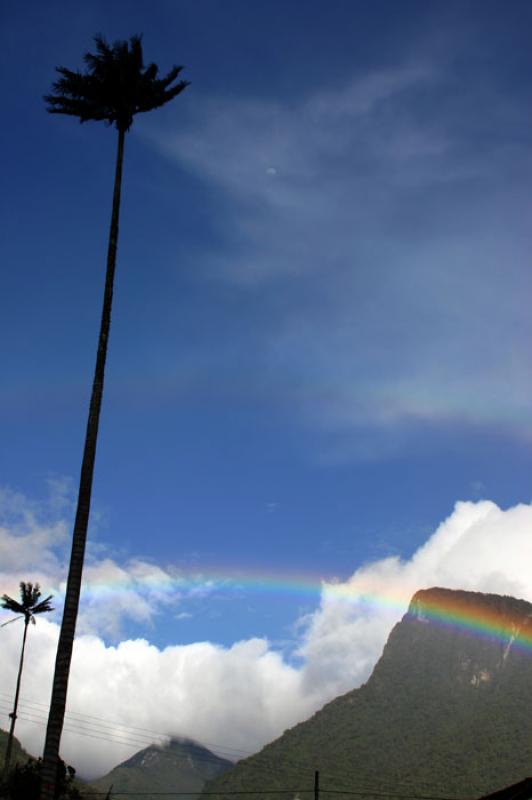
(81, 732)
(281, 791)
(383, 782)
(371, 793)
(365, 789)
(130, 742)
(140, 738)
(367, 792)
(106, 733)
(113, 740)
(335, 776)
(145, 737)
(144, 731)
(3, 625)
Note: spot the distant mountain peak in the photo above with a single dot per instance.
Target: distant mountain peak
(174, 747)
(178, 764)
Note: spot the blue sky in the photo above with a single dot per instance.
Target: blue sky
(321, 331)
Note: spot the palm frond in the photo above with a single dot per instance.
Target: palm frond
(30, 602)
(115, 86)
(151, 72)
(104, 50)
(43, 606)
(11, 605)
(29, 594)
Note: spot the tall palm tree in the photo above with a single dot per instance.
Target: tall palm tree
(115, 86)
(29, 606)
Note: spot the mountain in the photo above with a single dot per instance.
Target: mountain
(18, 754)
(21, 757)
(446, 712)
(179, 766)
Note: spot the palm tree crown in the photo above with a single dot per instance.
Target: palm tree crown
(30, 602)
(30, 605)
(115, 87)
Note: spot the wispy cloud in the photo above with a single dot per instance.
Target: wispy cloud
(387, 231)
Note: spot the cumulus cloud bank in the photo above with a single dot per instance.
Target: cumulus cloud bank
(234, 699)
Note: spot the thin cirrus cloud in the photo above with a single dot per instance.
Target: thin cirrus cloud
(235, 698)
(387, 229)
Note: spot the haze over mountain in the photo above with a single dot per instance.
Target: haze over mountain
(445, 711)
(179, 766)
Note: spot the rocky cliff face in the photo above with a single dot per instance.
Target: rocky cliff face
(446, 711)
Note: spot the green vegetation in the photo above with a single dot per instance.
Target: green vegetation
(22, 782)
(18, 754)
(444, 713)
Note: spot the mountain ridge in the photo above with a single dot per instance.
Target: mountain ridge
(181, 765)
(445, 709)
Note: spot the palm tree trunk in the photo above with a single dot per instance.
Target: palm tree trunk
(13, 714)
(68, 626)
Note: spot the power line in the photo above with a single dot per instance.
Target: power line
(103, 735)
(365, 789)
(383, 782)
(386, 794)
(307, 763)
(221, 748)
(81, 732)
(69, 727)
(280, 791)
(105, 732)
(366, 792)
(109, 733)
(241, 791)
(139, 738)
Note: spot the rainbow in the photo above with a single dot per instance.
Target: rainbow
(492, 617)
(505, 620)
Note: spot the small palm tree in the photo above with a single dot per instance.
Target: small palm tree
(115, 87)
(29, 606)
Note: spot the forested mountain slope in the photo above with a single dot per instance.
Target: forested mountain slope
(446, 711)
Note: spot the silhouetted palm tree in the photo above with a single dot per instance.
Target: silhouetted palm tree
(30, 605)
(115, 87)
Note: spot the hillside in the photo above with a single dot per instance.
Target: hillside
(446, 711)
(180, 766)
(18, 754)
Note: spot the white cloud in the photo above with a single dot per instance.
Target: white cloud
(479, 547)
(35, 545)
(26, 539)
(242, 696)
